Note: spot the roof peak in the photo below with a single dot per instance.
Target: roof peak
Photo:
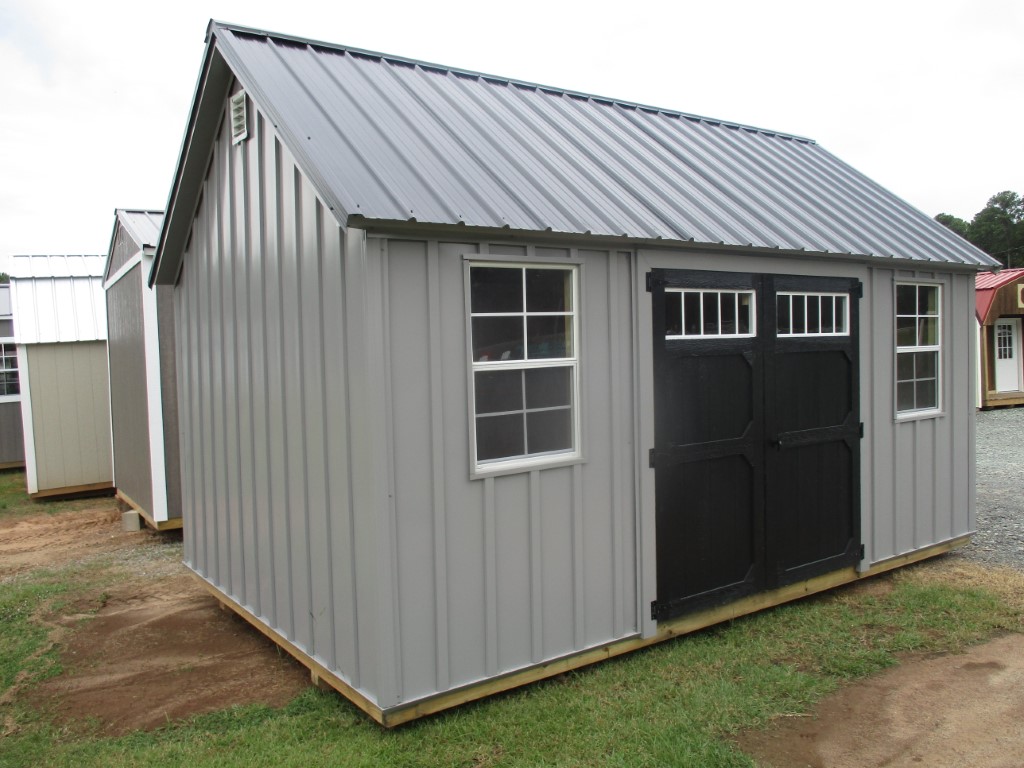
(217, 26)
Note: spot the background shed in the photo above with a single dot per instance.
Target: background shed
(62, 359)
(1000, 311)
(481, 381)
(12, 441)
(140, 349)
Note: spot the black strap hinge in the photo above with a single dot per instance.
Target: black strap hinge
(650, 458)
(862, 430)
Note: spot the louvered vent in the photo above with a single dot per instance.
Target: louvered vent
(239, 119)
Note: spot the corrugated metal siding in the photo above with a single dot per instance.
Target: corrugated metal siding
(303, 379)
(70, 414)
(12, 440)
(169, 397)
(143, 226)
(128, 395)
(394, 140)
(58, 298)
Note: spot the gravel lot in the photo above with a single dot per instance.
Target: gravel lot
(1000, 536)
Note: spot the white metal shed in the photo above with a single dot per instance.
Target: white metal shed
(60, 335)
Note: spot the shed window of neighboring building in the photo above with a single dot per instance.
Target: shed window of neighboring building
(918, 344)
(525, 365)
(9, 382)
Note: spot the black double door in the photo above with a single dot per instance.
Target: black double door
(757, 433)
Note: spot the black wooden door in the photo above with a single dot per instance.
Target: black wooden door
(756, 433)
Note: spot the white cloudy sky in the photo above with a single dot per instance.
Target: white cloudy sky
(925, 96)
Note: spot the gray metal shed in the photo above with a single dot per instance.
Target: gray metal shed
(12, 441)
(481, 381)
(140, 351)
(60, 333)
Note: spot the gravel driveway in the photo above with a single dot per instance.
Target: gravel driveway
(1000, 536)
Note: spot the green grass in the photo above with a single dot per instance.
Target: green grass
(675, 704)
(15, 502)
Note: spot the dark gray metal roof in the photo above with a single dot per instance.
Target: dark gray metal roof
(388, 139)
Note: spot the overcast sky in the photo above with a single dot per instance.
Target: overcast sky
(924, 96)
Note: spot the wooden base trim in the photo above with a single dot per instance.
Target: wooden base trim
(162, 525)
(12, 464)
(667, 630)
(319, 674)
(74, 490)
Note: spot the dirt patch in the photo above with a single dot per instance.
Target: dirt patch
(148, 645)
(162, 652)
(960, 710)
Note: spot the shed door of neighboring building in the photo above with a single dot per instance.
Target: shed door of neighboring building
(757, 455)
(1008, 355)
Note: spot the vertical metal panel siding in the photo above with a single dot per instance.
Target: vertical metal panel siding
(71, 413)
(128, 393)
(264, 408)
(502, 573)
(169, 397)
(12, 439)
(918, 477)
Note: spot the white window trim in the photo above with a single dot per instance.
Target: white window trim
(21, 383)
(920, 413)
(553, 459)
(717, 291)
(817, 294)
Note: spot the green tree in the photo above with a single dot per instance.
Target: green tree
(998, 228)
(954, 223)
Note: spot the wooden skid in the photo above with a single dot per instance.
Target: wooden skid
(163, 525)
(389, 718)
(12, 465)
(1002, 399)
(89, 489)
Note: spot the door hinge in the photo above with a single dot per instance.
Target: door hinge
(858, 290)
(650, 282)
(650, 458)
(861, 551)
(655, 611)
(861, 430)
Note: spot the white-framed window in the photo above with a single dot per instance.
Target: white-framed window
(693, 313)
(918, 348)
(801, 313)
(524, 341)
(10, 383)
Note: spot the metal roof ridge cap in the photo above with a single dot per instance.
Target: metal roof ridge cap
(468, 73)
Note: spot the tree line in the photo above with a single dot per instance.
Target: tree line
(997, 229)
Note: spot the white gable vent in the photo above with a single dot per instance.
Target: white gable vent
(239, 119)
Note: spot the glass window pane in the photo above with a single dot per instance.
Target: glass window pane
(927, 300)
(495, 289)
(782, 312)
(799, 315)
(926, 394)
(673, 313)
(841, 314)
(906, 299)
(905, 396)
(928, 331)
(549, 337)
(497, 338)
(691, 314)
(828, 311)
(548, 387)
(925, 364)
(499, 437)
(711, 326)
(549, 431)
(745, 300)
(6, 328)
(728, 307)
(498, 391)
(904, 367)
(906, 332)
(813, 314)
(548, 290)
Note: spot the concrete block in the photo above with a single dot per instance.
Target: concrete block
(131, 521)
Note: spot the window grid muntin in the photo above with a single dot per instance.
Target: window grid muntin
(924, 324)
(1004, 342)
(840, 303)
(701, 294)
(528, 362)
(10, 380)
